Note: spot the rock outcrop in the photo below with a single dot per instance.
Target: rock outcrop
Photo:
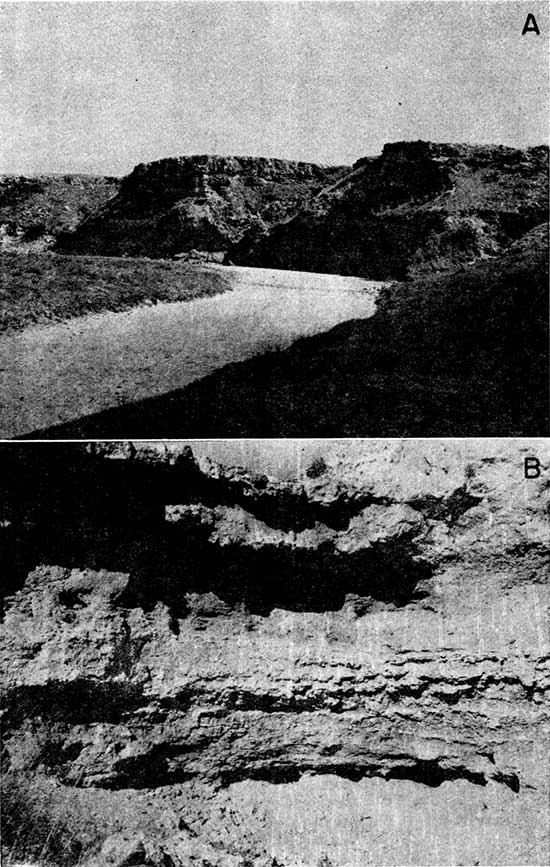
(418, 208)
(203, 666)
(197, 203)
(35, 210)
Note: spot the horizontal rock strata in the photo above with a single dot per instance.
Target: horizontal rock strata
(207, 666)
(197, 203)
(418, 208)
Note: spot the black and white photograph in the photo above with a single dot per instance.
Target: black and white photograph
(272, 219)
(274, 433)
(275, 653)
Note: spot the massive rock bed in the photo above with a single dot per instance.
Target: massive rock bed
(203, 203)
(419, 208)
(416, 209)
(346, 664)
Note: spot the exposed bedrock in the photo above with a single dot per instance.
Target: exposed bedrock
(204, 665)
(197, 203)
(419, 207)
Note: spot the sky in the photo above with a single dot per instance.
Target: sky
(99, 87)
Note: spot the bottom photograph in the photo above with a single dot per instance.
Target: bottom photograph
(275, 653)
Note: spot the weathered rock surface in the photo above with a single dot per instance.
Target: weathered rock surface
(197, 203)
(204, 666)
(418, 208)
(35, 210)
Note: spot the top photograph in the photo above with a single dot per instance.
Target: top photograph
(274, 219)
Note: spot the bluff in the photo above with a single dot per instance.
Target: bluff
(417, 209)
(203, 203)
(35, 210)
(347, 665)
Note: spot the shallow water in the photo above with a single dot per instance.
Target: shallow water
(55, 373)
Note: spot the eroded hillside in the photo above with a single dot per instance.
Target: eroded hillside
(207, 666)
(35, 210)
(417, 209)
(203, 203)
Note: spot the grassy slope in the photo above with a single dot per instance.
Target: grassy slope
(42, 287)
(463, 354)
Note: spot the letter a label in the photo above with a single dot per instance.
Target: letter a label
(530, 25)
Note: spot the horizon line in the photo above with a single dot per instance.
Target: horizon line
(227, 156)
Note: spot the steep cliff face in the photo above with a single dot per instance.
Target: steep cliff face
(208, 667)
(197, 202)
(35, 210)
(418, 208)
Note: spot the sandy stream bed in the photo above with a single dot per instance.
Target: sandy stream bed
(56, 373)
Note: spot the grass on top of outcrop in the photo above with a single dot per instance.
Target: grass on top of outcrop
(42, 287)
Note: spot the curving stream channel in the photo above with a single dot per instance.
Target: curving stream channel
(55, 373)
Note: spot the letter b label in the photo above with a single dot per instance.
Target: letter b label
(531, 468)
